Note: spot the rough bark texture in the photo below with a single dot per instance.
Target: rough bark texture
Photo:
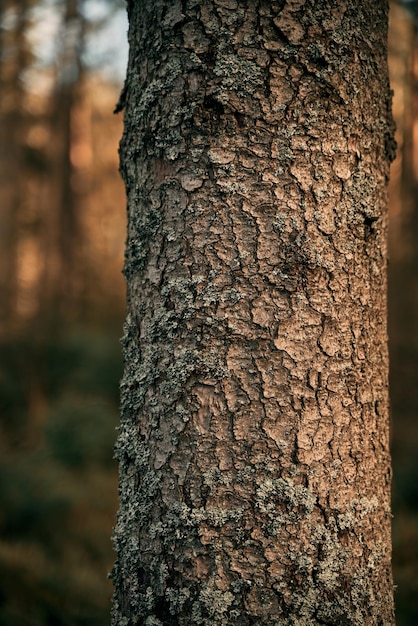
(253, 447)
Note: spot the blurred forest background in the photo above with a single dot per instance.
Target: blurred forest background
(62, 232)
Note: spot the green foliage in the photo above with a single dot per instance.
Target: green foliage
(79, 432)
(82, 362)
(29, 507)
(58, 484)
(13, 385)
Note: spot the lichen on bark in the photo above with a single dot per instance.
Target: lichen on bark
(254, 401)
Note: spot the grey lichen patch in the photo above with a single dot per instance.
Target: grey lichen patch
(214, 476)
(240, 75)
(177, 598)
(215, 516)
(358, 510)
(185, 362)
(153, 621)
(333, 558)
(162, 325)
(232, 295)
(180, 291)
(304, 563)
(181, 515)
(214, 365)
(160, 84)
(128, 449)
(216, 602)
(297, 500)
(170, 143)
(146, 223)
(304, 607)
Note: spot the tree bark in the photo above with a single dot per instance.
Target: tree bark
(253, 448)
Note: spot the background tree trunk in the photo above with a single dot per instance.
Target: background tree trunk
(253, 448)
(12, 159)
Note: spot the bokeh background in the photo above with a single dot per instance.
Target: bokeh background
(62, 232)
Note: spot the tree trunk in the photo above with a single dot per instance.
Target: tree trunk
(60, 290)
(255, 470)
(13, 169)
